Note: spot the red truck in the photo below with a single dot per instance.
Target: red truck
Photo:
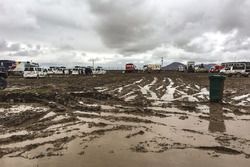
(216, 69)
(130, 68)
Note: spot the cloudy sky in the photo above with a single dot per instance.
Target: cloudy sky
(114, 32)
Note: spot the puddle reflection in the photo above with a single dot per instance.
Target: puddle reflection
(216, 121)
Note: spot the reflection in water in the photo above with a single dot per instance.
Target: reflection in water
(216, 122)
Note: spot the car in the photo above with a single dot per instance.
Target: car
(78, 70)
(42, 72)
(34, 72)
(99, 71)
(75, 71)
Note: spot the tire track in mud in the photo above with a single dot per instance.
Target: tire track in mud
(85, 117)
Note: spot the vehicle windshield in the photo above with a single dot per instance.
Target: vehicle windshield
(29, 69)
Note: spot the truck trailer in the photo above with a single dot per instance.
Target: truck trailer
(152, 68)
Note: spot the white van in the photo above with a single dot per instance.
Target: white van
(75, 71)
(58, 71)
(78, 70)
(181, 68)
(238, 69)
(99, 71)
(42, 72)
(34, 72)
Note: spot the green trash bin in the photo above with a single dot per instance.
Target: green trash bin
(216, 88)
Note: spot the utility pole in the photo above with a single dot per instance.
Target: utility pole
(93, 63)
(162, 60)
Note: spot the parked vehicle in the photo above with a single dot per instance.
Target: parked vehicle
(9, 65)
(67, 71)
(21, 65)
(88, 71)
(152, 68)
(3, 76)
(42, 72)
(130, 68)
(200, 69)
(58, 71)
(34, 72)
(181, 68)
(190, 66)
(75, 71)
(216, 69)
(50, 70)
(99, 71)
(78, 70)
(237, 69)
(17, 67)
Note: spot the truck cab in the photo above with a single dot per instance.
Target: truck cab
(190, 66)
(216, 69)
(130, 68)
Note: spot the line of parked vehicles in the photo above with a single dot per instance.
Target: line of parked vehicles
(148, 68)
(38, 72)
(33, 70)
(229, 69)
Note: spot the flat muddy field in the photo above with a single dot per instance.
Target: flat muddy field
(118, 120)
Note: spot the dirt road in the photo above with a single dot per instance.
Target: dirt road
(124, 120)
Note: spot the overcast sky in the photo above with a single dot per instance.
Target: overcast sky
(114, 32)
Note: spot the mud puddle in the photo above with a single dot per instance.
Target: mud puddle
(121, 120)
(115, 149)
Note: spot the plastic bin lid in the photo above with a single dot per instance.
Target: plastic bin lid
(217, 77)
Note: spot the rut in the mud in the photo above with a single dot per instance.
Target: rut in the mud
(153, 113)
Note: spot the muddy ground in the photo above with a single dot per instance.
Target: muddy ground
(124, 120)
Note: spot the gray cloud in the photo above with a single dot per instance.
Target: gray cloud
(4, 46)
(124, 25)
(136, 30)
(135, 26)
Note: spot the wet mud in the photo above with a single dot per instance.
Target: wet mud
(121, 120)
